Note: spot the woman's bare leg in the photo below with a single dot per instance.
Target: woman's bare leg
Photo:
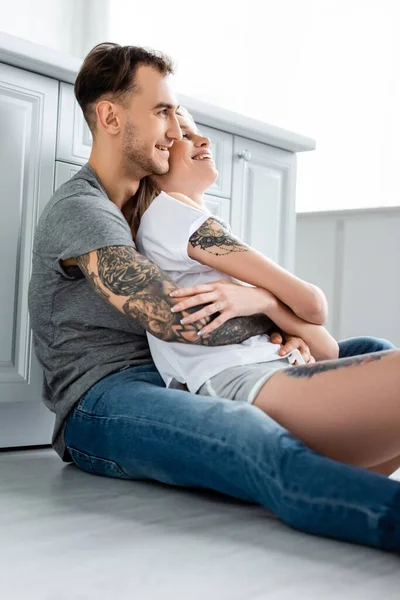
(347, 409)
(386, 468)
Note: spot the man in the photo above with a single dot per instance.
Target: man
(92, 295)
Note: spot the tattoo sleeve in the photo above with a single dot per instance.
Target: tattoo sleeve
(136, 286)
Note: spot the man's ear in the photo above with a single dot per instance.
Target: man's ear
(108, 117)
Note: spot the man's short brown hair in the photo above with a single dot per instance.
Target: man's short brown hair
(108, 73)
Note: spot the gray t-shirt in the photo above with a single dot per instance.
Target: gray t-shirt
(78, 337)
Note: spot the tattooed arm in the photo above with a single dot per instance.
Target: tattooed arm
(213, 245)
(139, 289)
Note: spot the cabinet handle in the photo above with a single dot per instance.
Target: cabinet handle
(245, 154)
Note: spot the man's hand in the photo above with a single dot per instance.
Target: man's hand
(291, 342)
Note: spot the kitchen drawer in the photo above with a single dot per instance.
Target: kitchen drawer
(64, 171)
(220, 207)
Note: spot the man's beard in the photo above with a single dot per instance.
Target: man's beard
(135, 156)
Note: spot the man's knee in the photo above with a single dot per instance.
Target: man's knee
(379, 344)
(386, 344)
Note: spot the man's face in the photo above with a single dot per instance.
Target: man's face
(151, 125)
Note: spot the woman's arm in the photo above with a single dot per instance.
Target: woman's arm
(322, 345)
(213, 245)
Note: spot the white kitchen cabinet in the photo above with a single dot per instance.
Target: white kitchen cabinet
(28, 121)
(263, 199)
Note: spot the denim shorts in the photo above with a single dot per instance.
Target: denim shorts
(243, 382)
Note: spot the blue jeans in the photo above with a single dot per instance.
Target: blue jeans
(128, 425)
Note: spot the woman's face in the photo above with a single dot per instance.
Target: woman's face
(191, 167)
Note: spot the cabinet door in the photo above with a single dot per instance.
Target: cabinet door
(28, 120)
(221, 148)
(263, 199)
(74, 140)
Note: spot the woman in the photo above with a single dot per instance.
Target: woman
(350, 414)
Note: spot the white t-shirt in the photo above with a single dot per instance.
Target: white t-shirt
(163, 236)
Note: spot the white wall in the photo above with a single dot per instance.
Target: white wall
(327, 69)
(70, 26)
(353, 257)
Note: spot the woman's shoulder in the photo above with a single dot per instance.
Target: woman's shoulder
(182, 199)
(170, 214)
(186, 200)
(171, 211)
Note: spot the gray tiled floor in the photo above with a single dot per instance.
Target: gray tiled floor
(69, 535)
